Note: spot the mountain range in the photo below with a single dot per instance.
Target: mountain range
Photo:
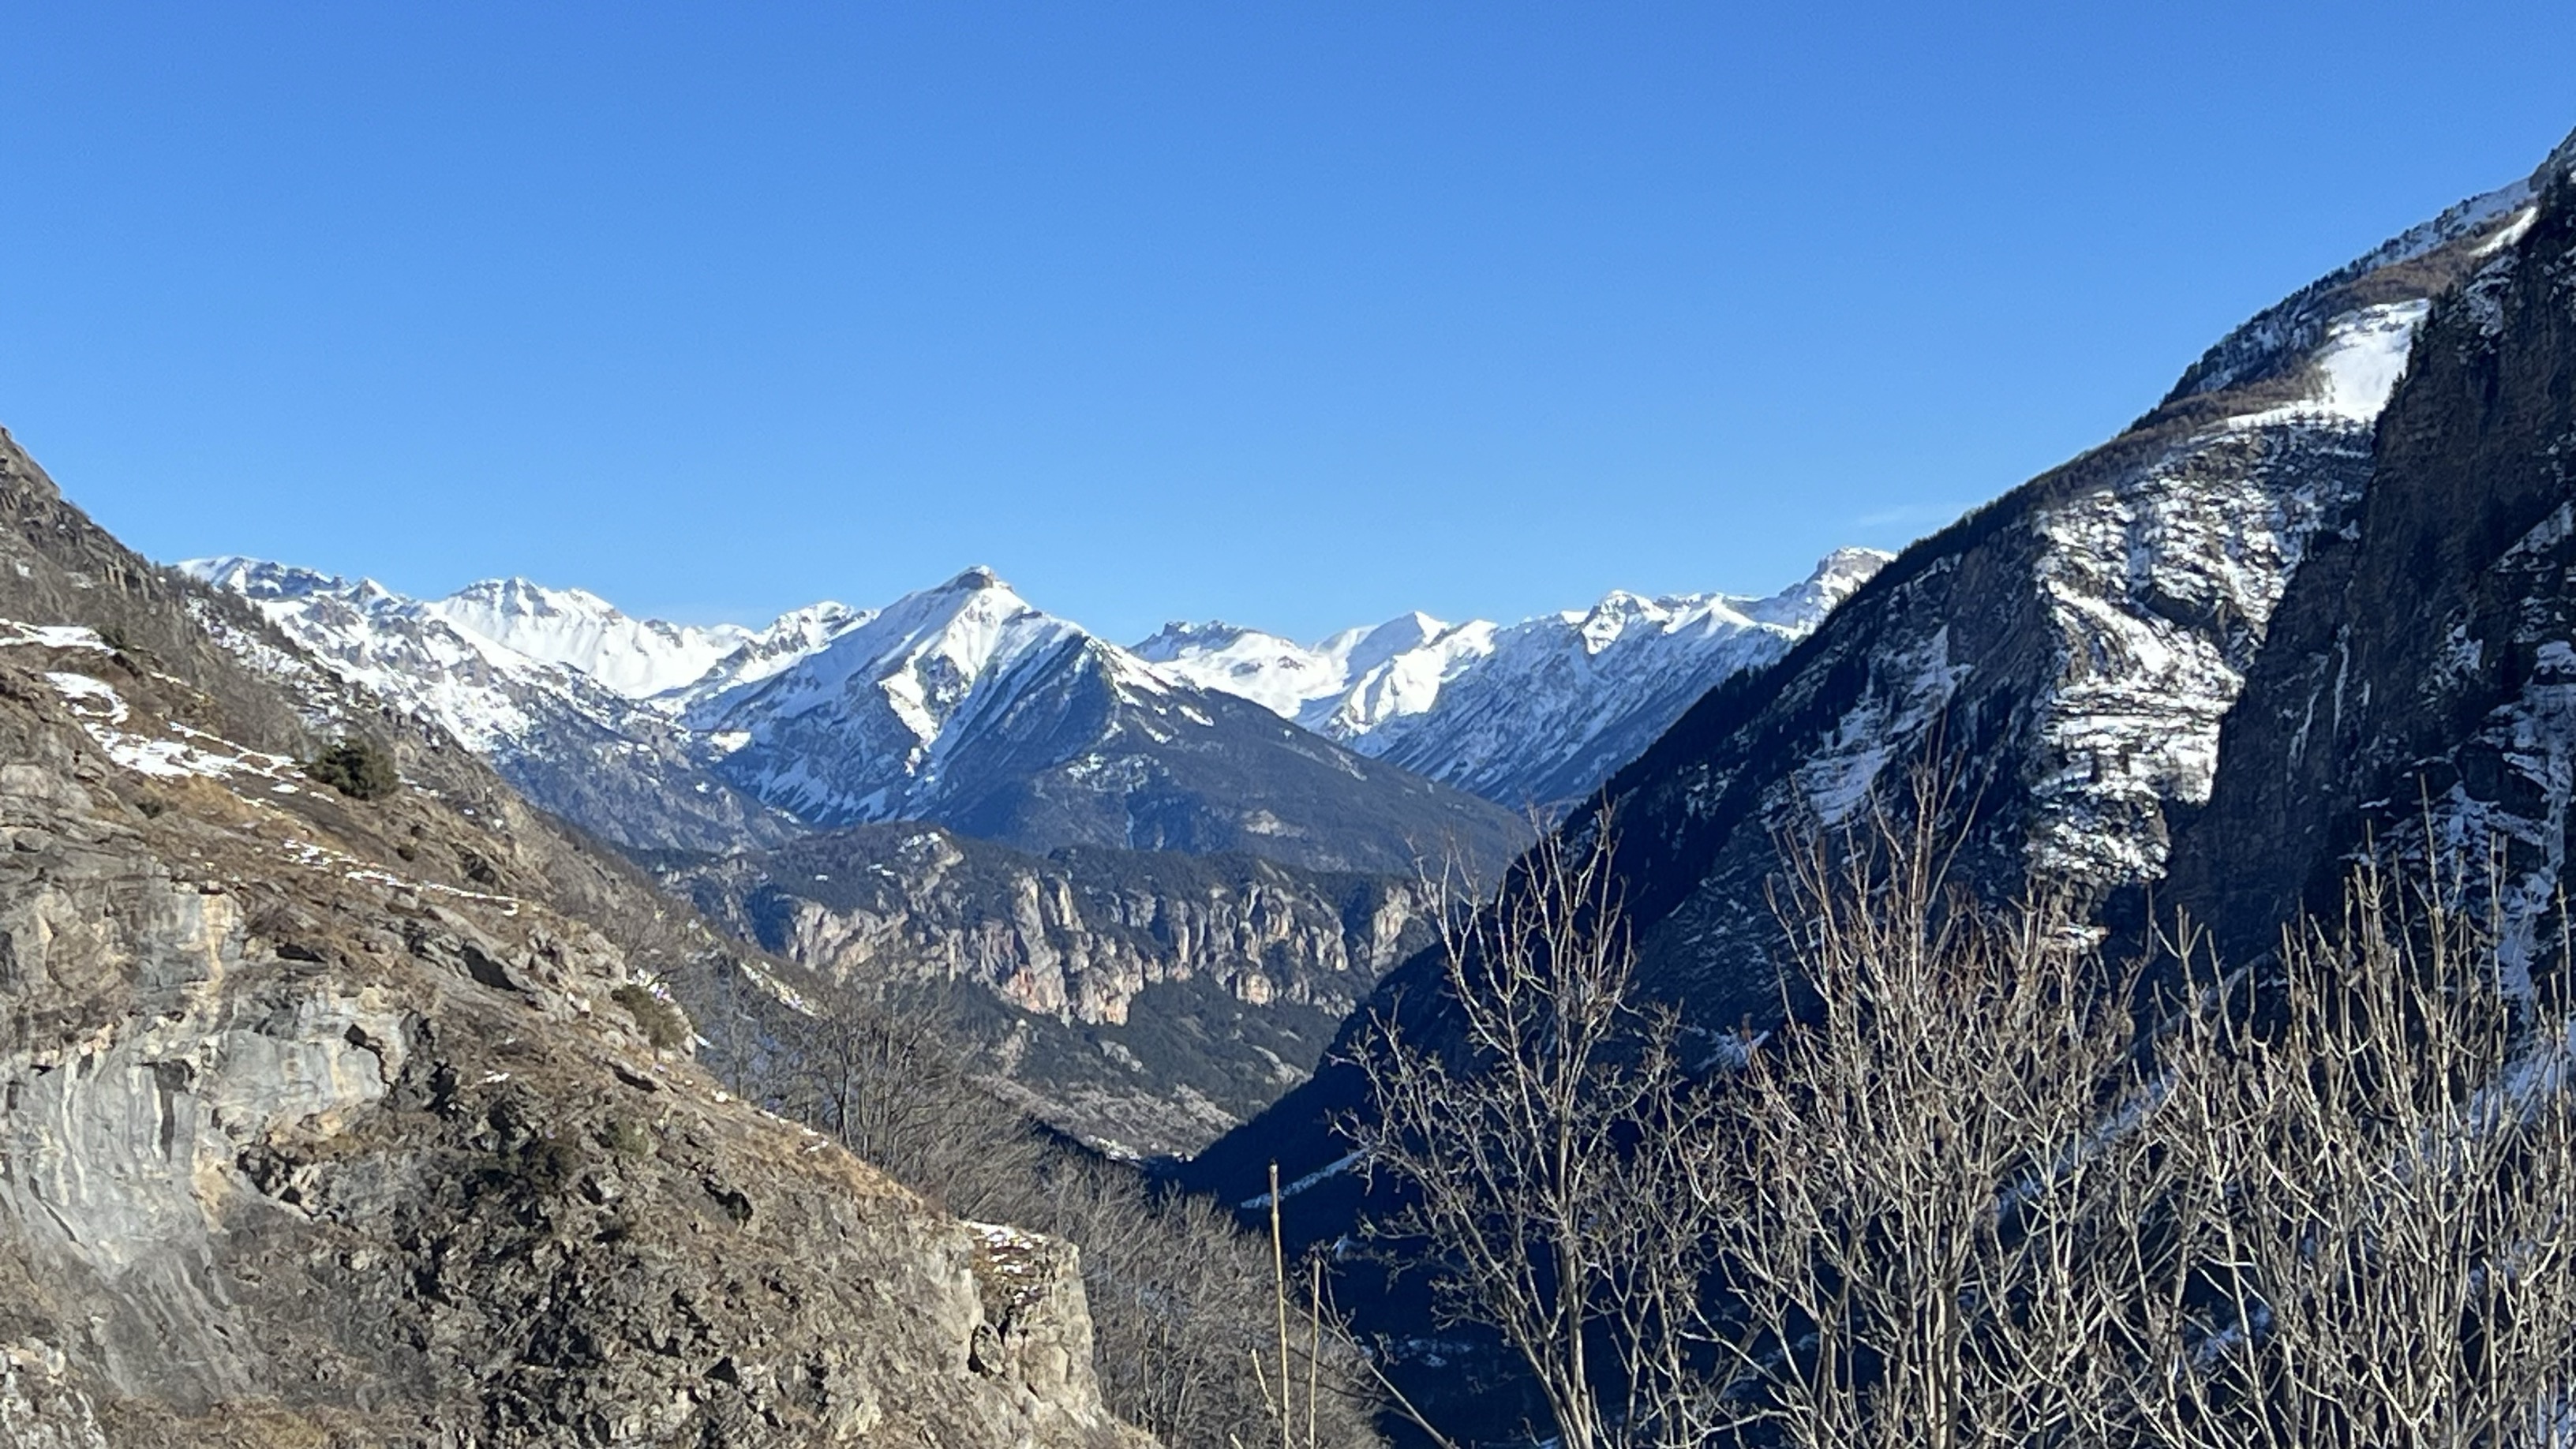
(830, 715)
(1139, 1001)
(1530, 715)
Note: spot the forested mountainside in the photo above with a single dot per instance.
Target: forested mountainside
(1144, 1001)
(2069, 651)
(343, 1120)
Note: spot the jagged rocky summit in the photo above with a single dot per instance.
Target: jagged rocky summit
(351, 1122)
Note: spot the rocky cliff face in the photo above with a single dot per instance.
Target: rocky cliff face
(1155, 1000)
(339, 1122)
(2421, 688)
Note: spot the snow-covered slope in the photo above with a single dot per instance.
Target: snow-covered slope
(581, 631)
(1527, 714)
(965, 704)
(505, 667)
(960, 703)
(2072, 648)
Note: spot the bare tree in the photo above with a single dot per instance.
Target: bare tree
(2388, 1232)
(1912, 1181)
(897, 1089)
(1970, 1200)
(1536, 1125)
(1971, 1196)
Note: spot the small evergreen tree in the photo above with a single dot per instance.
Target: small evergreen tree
(360, 769)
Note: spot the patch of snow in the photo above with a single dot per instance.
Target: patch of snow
(181, 751)
(49, 636)
(2509, 235)
(2160, 587)
(1328, 1171)
(2353, 374)
(1907, 691)
(89, 698)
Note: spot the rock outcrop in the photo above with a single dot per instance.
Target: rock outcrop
(1155, 999)
(326, 1121)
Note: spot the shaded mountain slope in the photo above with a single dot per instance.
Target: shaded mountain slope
(2422, 678)
(2070, 649)
(504, 667)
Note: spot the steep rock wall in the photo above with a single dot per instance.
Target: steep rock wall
(2422, 679)
(1148, 1001)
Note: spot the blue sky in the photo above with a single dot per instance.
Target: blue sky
(1295, 315)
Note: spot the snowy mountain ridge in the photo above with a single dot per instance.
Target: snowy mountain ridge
(514, 623)
(836, 715)
(1527, 713)
(961, 703)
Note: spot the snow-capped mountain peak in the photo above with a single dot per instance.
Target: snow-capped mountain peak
(960, 703)
(922, 655)
(1575, 686)
(1276, 673)
(1361, 650)
(790, 637)
(1837, 576)
(262, 581)
(582, 631)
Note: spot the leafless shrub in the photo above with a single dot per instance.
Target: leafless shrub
(1971, 1198)
(1913, 1185)
(2379, 1148)
(1542, 1154)
(896, 1088)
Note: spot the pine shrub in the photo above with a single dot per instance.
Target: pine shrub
(360, 769)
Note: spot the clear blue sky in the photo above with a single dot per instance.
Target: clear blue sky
(1292, 314)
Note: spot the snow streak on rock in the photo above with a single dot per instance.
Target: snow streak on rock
(2161, 587)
